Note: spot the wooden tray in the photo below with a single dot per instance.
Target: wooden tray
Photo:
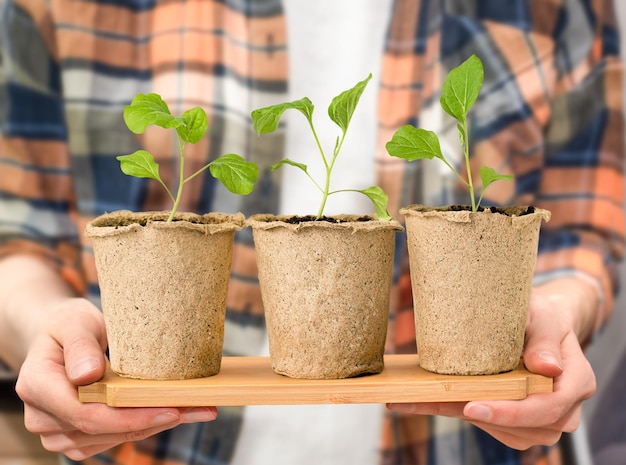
(251, 381)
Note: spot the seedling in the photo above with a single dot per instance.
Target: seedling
(233, 171)
(340, 111)
(460, 91)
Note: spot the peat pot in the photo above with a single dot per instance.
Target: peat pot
(471, 276)
(325, 287)
(163, 289)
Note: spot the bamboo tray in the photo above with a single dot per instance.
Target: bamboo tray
(251, 381)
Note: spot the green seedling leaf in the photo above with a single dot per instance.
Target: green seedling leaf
(459, 93)
(195, 124)
(146, 110)
(340, 111)
(140, 164)
(489, 175)
(343, 105)
(287, 161)
(237, 174)
(413, 143)
(300, 166)
(267, 119)
(461, 88)
(380, 200)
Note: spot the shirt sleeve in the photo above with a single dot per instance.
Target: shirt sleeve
(550, 112)
(582, 179)
(37, 207)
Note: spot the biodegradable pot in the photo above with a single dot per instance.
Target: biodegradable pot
(471, 276)
(325, 287)
(163, 290)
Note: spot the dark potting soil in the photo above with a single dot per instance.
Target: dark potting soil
(143, 218)
(501, 210)
(328, 219)
(144, 221)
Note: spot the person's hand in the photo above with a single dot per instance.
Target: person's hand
(68, 352)
(552, 349)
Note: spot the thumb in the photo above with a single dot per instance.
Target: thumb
(542, 351)
(83, 338)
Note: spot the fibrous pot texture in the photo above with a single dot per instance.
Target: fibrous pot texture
(163, 290)
(471, 276)
(325, 287)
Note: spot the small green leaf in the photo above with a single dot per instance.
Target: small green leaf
(489, 175)
(413, 143)
(460, 91)
(343, 105)
(140, 164)
(195, 124)
(236, 173)
(444, 105)
(146, 110)
(340, 111)
(461, 88)
(380, 201)
(287, 161)
(266, 119)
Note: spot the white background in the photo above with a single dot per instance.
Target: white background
(333, 45)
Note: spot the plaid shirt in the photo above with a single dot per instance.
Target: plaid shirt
(550, 112)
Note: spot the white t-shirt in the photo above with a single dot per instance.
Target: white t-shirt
(333, 45)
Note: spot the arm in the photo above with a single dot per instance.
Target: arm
(581, 182)
(20, 305)
(552, 349)
(54, 337)
(61, 341)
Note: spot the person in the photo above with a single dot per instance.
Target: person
(550, 112)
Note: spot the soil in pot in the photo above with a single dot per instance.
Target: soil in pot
(163, 290)
(471, 276)
(325, 287)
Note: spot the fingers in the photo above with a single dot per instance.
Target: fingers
(540, 418)
(552, 348)
(83, 339)
(81, 430)
(576, 384)
(133, 424)
(79, 445)
(70, 351)
(522, 438)
(44, 381)
(513, 436)
(542, 351)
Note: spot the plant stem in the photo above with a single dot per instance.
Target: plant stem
(169, 193)
(329, 169)
(457, 174)
(470, 183)
(326, 167)
(201, 170)
(324, 192)
(181, 180)
(480, 199)
(319, 188)
(317, 142)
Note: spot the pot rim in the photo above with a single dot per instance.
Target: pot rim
(352, 222)
(208, 223)
(515, 213)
